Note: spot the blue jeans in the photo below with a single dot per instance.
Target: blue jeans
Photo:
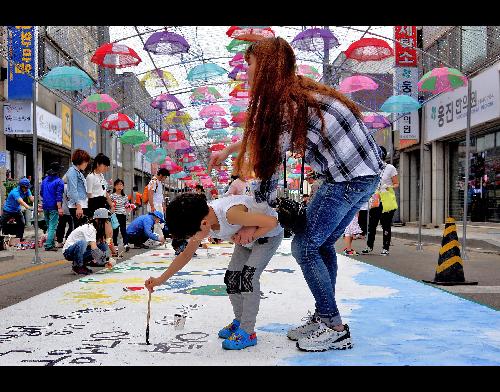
(52, 219)
(328, 214)
(80, 252)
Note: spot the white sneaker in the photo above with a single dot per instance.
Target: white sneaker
(127, 248)
(384, 252)
(325, 338)
(312, 324)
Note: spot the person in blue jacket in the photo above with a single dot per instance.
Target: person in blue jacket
(141, 229)
(51, 191)
(12, 206)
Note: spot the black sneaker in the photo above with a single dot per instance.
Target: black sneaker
(52, 249)
(81, 270)
(367, 250)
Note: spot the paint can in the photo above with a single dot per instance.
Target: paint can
(179, 321)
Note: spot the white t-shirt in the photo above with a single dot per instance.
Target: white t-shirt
(227, 230)
(84, 232)
(96, 184)
(386, 177)
(155, 190)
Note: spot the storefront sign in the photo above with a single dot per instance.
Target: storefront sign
(447, 113)
(48, 126)
(406, 80)
(66, 125)
(17, 118)
(405, 47)
(84, 133)
(3, 159)
(21, 50)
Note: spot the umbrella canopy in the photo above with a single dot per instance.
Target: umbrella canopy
(235, 139)
(172, 167)
(357, 83)
(249, 33)
(189, 157)
(187, 165)
(241, 91)
(179, 145)
(237, 45)
(240, 68)
(369, 49)
(238, 58)
(309, 71)
(166, 42)
(179, 175)
(242, 102)
(166, 102)
(239, 118)
(237, 132)
(115, 56)
(133, 137)
(216, 123)
(196, 169)
(156, 156)
(216, 133)
(147, 146)
(205, 71)
(400, 104)
(177, 118)
(312, 40)
(172, 135)
(217, 147)
(156, 77)
(186, 178)
(237, 109)
(211, 111)
(117, 122)
(203, 95)
(98, 103)
(66, 78)
(376, 121)
(440, 80)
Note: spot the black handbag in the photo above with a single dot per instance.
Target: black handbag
(291, 213)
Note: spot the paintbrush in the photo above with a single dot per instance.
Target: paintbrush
(149, 313)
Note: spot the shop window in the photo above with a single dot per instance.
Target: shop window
(498, 139)
(489, 141)
(480, 144)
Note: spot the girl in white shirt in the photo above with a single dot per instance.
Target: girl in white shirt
(97, 185)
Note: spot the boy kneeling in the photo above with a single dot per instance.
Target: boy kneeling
(189, 216)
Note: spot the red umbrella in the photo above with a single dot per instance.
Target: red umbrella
(115, 56)
(117, 122)
(239, 118)
(369, 49)
(216, 123)
(248, 33)
(241, 91)
(196, 169)
(189, 157)
(172, 135)
(217, 147)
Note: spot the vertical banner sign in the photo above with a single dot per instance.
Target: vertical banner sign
(84, 133)
(21, 53)
(406, 79)
(17, 118)
(66, 125)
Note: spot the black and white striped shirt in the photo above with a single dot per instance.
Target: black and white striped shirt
(120, 202)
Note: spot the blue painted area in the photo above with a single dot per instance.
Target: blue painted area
(276, 328)
(175, 284)
(419, 325)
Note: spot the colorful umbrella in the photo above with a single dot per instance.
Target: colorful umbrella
(191, 164)
(211, 111)
(166, 102)
(179, 145)
(178, 175)
(216, 133)
(172, 167)
(176, 118)
(238, 58)
(115, 56)
(217, 147)
(237, 132)
(249, 33)
(66, 78)
(133, 137)
(312, 40)
(156, 156)
(376, 121)
(98, 103)
(239, 118)
(172, 135)
(117, 122)
(195, 168)
(189, 157)
(147, 146)
(235, 139)
(357, 83)
(156, 77)
(237, 109)
(441, 80)
(400, 104)
(237, 45)
(166, 42)
(243, 102)
(205, 71)
(309, 71)
(240, 68)
(204, 95)
(369, 49)
(216, 123)
(241, 91)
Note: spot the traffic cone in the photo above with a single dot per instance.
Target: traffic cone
(450, 270)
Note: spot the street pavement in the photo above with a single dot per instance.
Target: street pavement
(100, 319)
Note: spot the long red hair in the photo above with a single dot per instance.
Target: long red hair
(280, 102)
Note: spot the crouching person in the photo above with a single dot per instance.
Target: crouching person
(87, 243)
(189, 216)
(141, 229)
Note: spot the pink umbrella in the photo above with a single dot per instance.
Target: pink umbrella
(216, 123)
(212, 111)
(147, 146)
(180, 145)
(376, 121)
(239, 58)
(239, 118)
(166, 102)
(240, 102)
(196, 169)
(235, 139)
(357, 83)
(440, 80)
(96, 103)
(189, 157)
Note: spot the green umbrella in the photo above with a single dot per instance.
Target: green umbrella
(237, 45)
(66, 78)
(440, 80)
(133, 136)
(156, 156)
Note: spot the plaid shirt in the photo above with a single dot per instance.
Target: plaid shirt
(353, 152)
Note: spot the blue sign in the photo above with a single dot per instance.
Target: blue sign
(21, 46)
(84, 133)
(3, 159)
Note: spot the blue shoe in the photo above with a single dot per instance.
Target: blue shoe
(228, 330)
(239, 340)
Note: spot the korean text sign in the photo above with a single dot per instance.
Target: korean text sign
(21, 51)
(405, 46)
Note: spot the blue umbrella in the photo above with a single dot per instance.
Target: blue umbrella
(400, 104)
(67, 78)
(205, 71)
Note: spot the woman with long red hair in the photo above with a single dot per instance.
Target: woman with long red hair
(289, 112)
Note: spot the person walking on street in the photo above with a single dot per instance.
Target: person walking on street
(156, 201)
(388, 182)
(97, 185)
(65, 219)
(51, 192)
(77, 187)
(120, 199)
(12, 207)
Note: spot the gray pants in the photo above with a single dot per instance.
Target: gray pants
(242, 279)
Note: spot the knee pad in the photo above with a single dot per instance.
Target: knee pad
(246, 279)
(232, 281)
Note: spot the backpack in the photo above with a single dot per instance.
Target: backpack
(145, 194)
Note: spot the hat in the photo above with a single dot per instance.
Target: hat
(102, 213)
(159, 215)
(55, 167)
(24, 182)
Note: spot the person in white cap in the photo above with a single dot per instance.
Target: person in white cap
(87, 243)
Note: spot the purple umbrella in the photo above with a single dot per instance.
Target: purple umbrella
(238, 68)
(165, 42)
(376, 121)
(314, 39)
(166, 102)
